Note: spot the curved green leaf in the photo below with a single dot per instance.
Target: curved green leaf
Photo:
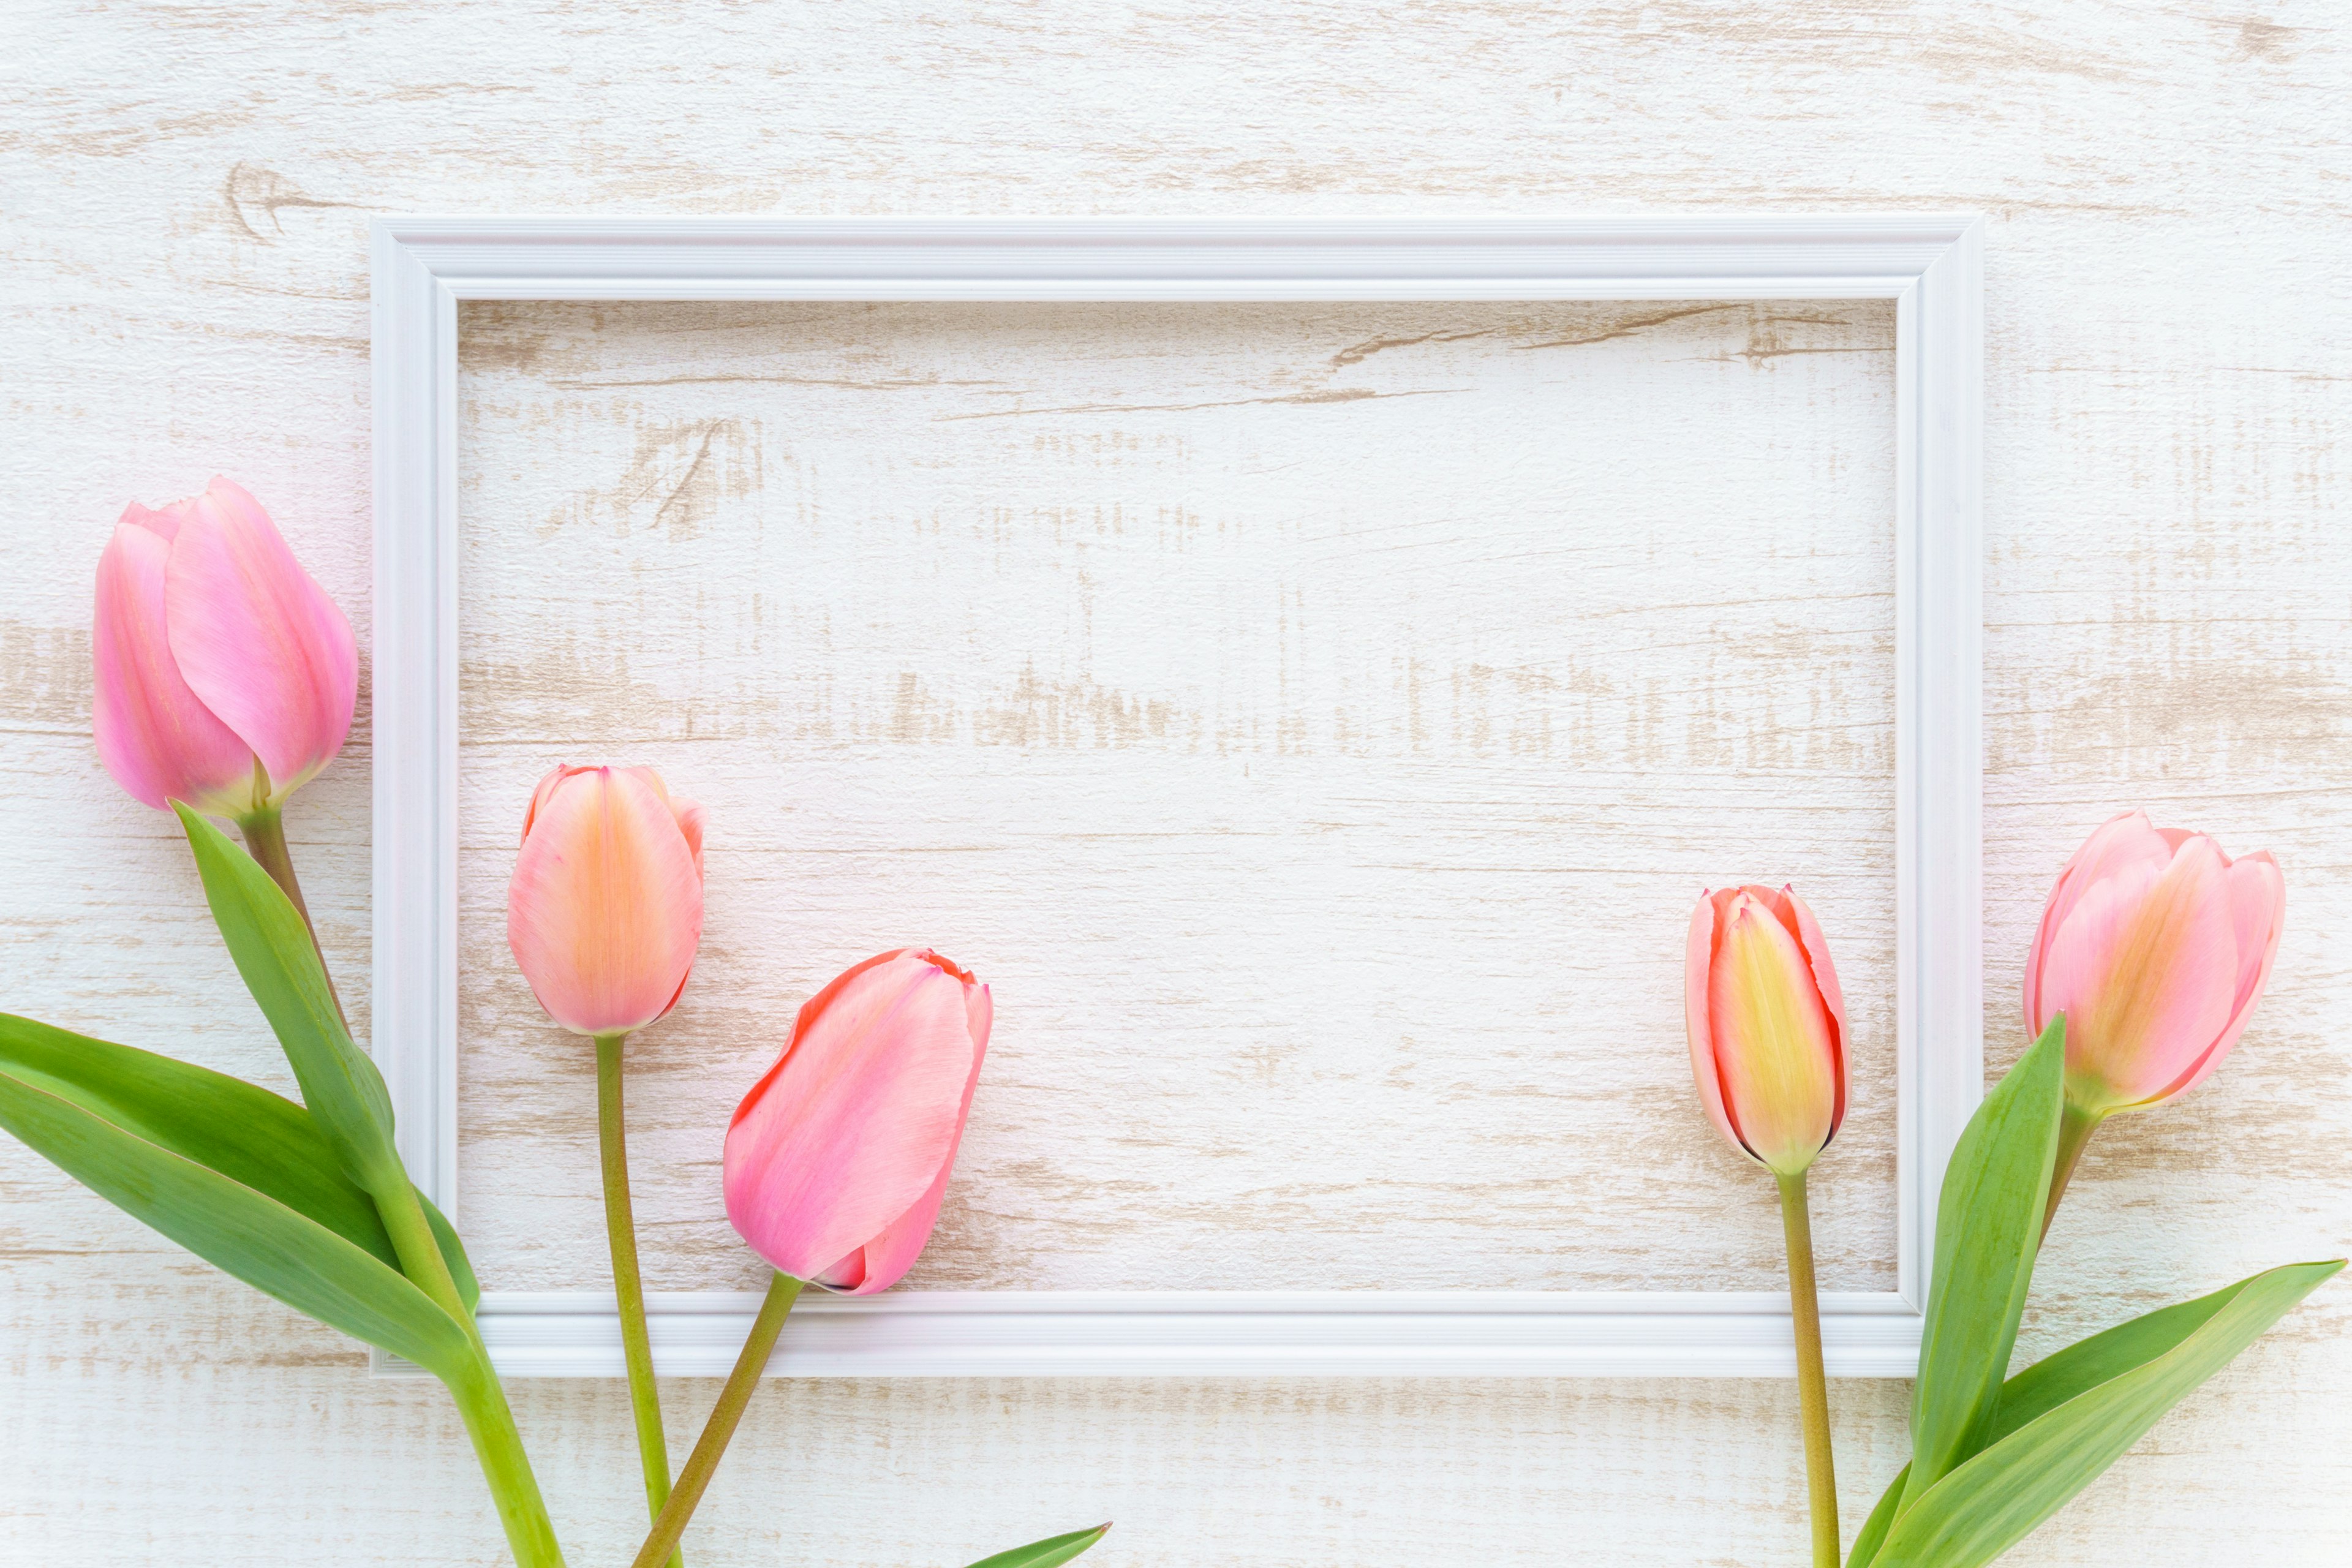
(453, 1252)
(247, 1133)
(1989, 1503)
(1987, 1226)
(1046, 1553)
(2059, 1377)
(246, 1233)
(1881, 1520)
(271, 948)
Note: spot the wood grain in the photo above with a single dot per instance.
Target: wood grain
(1315, 722)
(2169, 603)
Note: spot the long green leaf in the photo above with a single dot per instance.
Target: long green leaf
(1988, 1224)
(271, 948)
(2061, 1376)
(1881, 1520)
(1046, 1553)
(1989, 1503)
(227, 1224)
(225, 1125)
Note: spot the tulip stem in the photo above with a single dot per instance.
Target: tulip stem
(489, 1421)
(782, 1290)
(264, 840)
(628, 1288)
(1812, 1379)
(2074, 1130)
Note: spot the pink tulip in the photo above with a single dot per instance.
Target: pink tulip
(838, 1157)
(224, 675)
(605, 905)
(1766, 1024)
(2156, 945)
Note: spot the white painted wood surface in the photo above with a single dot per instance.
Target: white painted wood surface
(1319, 763)
(2170, 346)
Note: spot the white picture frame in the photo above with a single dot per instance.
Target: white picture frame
(1931, 266)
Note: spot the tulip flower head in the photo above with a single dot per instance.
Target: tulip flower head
(1766, 1024)
(837, 1159)
(2156, 945)
(605, 905)
(224, 676)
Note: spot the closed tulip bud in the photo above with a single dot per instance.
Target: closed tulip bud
(2156, 946)
(605, 905)
(837, 1159)
(1766, 1024)
(224, 676)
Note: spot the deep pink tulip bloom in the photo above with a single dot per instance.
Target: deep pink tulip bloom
(1766, 1024)
(224, 675)
(605, 905)
(837, 1159)
(2156, 945)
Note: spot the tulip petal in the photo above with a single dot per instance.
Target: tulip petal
(2123, 839)
(259, 642)
(546, 788)
(1698, 963)
(1774, 1040)
(2257, 914)
(1825, 980)
(154, 734)
(691, 814)
(2145, 968)
(889, 1255)
(857, 1120)
(605, 906)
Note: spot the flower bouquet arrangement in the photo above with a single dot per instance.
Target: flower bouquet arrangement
(2154, 948)
(226, 679)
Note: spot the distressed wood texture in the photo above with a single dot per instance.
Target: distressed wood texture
(1315, 722)
(2170, 599)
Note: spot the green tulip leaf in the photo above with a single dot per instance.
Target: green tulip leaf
(1048, 1553)
(271, 948)
(1881, 1520)
(246, 1233)
(1988, 1227)
(1989, 1503)
(251, 1136)
(2059, 1377)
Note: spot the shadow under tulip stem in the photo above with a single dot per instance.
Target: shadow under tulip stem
(725, 1416)
(1812, 1380)
(629, 1290)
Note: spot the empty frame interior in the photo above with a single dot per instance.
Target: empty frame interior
(1316, 722)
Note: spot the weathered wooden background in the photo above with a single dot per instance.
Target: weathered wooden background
(1315, 722)
(2169, 362)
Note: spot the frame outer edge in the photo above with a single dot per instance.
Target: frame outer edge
(421, 266)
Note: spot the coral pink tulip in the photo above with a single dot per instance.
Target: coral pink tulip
(605, 905)
(837, 1158)
(224, 675)
(2156, 945)
(1766, 1024)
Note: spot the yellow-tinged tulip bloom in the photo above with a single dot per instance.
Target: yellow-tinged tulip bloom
(1766, 1024)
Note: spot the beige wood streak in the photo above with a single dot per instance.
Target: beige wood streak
(2169, 371)
(1316, 724)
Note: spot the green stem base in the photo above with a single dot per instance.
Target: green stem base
(1813, 1377)
(2074, 1130)
(264, 840)
(700, 1465)
(489, 1421)
(628, 1288)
